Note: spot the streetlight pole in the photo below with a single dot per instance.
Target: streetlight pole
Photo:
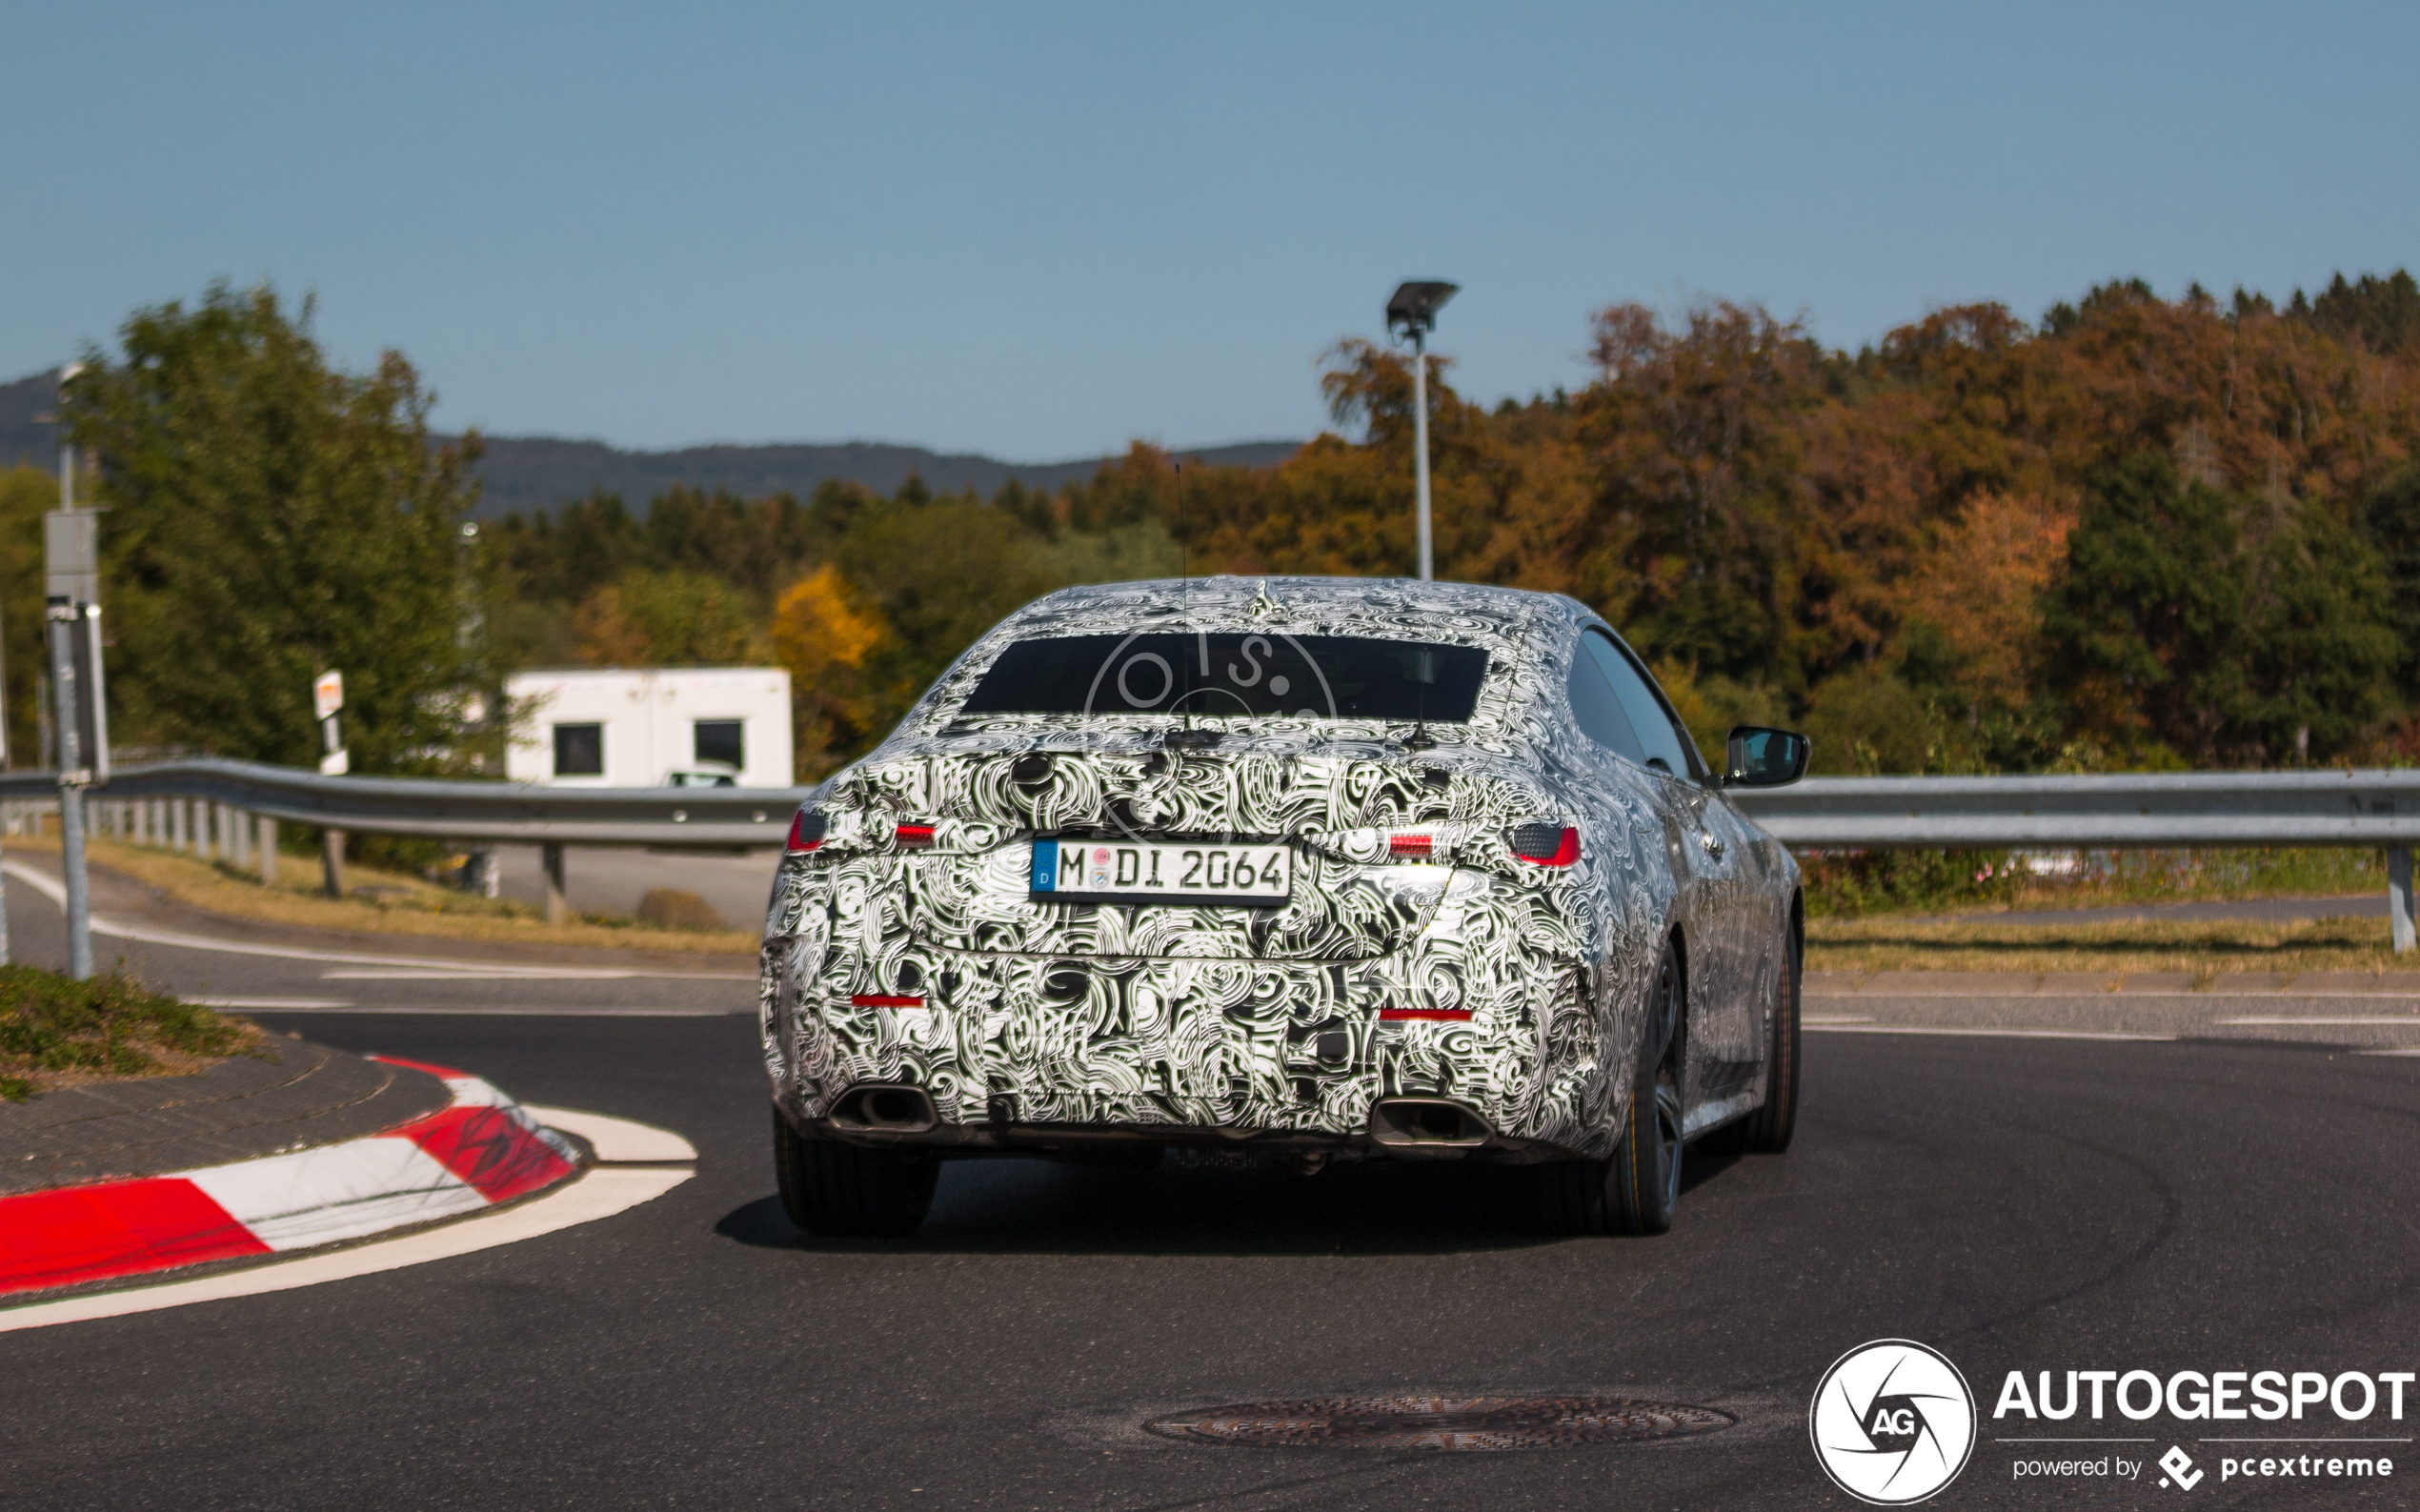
(72, 623)
(1420, 431)
(1413, 312)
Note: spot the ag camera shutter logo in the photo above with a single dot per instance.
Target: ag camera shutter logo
(1893, 1423)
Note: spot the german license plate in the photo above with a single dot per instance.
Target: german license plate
(1150, 872)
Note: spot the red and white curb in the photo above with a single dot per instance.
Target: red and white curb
(479, 1150)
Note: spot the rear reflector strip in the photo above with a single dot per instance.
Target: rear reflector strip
(1544, 845)
(1448, 1015)
(1410, 847)
(883, 1000)
(915, 836)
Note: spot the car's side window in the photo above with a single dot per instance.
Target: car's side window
(1666, 750)
(1598, 709)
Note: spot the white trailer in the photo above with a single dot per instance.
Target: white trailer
(611, 727)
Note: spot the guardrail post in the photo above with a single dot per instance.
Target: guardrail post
(2399, 899)
(265, 835)
(332, 863)
(551, 861)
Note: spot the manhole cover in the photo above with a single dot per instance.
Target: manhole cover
(1439, 1423)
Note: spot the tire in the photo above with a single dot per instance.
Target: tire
(1768, 1129)
(1636, 1191)
(847, 1191)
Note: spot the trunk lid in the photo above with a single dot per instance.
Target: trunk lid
(946, 842)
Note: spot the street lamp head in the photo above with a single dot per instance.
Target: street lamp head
(1414, 305)
(68, 372)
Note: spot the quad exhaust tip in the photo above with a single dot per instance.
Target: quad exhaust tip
(885, 1110)
(1426, 1122)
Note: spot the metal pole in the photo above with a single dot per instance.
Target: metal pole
(551, 863)
(63, 619)
(2399, 899)
(332, 863)
(266, 835)
(1420, 429)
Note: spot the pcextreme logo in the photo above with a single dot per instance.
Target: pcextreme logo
(1892, 1422)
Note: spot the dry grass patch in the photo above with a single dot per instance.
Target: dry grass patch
(385, 903)
(58, 1031)
(2204, 949)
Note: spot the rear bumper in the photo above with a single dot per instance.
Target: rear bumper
(1023, 1053)
(1396, 1130)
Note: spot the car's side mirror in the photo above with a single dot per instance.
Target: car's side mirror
(1762, 757)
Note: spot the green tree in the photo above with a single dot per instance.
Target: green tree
(678, 618)
(2392, 517)
(272, 517)
(26, 495)
(2319, 637)
(939, 574)
(2145, 629)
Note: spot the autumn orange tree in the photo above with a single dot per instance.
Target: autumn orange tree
(2140, 531)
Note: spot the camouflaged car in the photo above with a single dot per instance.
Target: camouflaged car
(1306, 870)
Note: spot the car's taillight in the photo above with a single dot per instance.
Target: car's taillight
(1547, 844)
(1410, 847)
(806, 832)
(915, 836)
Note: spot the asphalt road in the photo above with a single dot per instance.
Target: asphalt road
(2035, 1205)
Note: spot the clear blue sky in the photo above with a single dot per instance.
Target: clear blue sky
(1038, 230)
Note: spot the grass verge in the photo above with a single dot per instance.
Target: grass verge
(383, 902)
(2202, 948)
(55, 1032)
(1848, 883)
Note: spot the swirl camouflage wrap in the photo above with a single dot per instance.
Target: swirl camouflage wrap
(1464, 905)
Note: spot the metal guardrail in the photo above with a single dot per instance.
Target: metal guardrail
(2356, 808)
(473, 813)
(2379, 808)
(2364, 808)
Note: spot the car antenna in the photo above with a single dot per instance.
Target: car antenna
(1423, 673)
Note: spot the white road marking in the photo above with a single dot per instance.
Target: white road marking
(2387, 1052)
(2407, 1020)
(144, 933)
(1981, 1034)
(1836, 1018)
(602, 1192)
(532, 1009)
(486, 973)
(2094, 993)
(617, 1139)
(290, 1005)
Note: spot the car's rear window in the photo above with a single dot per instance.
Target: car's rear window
(1244, 674)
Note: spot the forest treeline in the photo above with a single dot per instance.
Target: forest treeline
(2141, 533)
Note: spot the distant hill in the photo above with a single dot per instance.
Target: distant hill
(524, 474)
(533, 473)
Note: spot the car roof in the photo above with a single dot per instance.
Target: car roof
(1389, 608)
